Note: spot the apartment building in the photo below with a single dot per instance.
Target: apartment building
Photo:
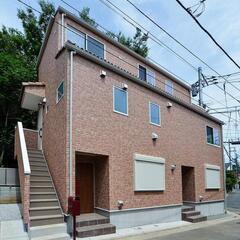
(118, 131)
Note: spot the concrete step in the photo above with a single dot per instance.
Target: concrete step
(39, 177)
(46, 220)
(39, 173)
(58, 236)
(195, 219)
(41, 188)
(95, 230)
(186, 208)
(42, 195)
(35, 153)
(39, 168)
(43, 203)
(40, 183)
(38, 164)
(46, 230)
(36, 159)
(91, 219)
(189, 214)
(43, 211)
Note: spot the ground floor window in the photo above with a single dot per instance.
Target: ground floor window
(149, 173)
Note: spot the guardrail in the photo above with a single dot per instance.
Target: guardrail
(20, 151)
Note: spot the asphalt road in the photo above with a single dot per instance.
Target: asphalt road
(233, 201)
(223, 231)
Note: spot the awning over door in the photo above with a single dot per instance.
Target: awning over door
(32, 95)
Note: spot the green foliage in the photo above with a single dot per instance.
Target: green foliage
(84, 15)
(231, 180)
(138, 43)
(18, 56)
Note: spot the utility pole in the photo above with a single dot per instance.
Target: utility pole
(200, 101)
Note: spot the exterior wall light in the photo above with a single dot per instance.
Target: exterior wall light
(154, 136)
(173, 167)
(103, 74)
(200, 198)
(169, 104)
(120, 204)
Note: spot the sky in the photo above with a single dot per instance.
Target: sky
(220, 18)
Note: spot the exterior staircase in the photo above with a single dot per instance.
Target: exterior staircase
(46, 218)
(93, 224)
(189, 214)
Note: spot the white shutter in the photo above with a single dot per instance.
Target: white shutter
(212, 177)
(149, 173)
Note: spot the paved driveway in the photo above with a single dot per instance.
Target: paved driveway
(224, 231)
(233, 201)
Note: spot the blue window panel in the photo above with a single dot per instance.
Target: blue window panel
(120, 101)
(154, 114)
(76, 37)
(95, 47)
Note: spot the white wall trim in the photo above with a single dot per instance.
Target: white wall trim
(26, 165)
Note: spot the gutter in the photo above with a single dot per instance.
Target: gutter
(94, 30)
(135, 79)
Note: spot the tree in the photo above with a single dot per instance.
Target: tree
(84, 15)
(231, 180)
(18, 56)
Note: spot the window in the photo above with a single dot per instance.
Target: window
(169, 87)
(95, 47)
(146, 75)
(212, 177)
(149, 173)
(120, 100)
(60, 92)
(154, 114)
(76, 37)
(142, 73)
(213, 136)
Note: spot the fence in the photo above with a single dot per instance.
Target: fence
(9, 177)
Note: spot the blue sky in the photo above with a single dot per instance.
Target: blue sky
(221, 18)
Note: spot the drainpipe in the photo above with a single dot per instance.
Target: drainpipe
(224, 173)
(70, 124)
(62, 28)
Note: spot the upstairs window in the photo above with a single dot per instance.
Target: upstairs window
(120, 101)
(213, 136)
(154, 114)
(95, 47)
(60, 92)
(169, 87)
(76, 37)
(146, 75)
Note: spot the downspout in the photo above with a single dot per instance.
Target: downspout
(70, 125)
(224, 173)
(62, 29)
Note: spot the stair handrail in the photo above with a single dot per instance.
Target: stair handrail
(23, 146)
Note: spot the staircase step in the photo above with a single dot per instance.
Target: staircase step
(43, 195)
(38, 164)
(195, 219)
(45, 230)
(40, 188)
(39, 173)
(43, 203)
(39, 177)
(188, 208)
(36, 159)
(96, 230)
(190, 213)
(39, 168)
(58, 236)
(46, 220)
(43, 211)
(47, 183)
(91, 219)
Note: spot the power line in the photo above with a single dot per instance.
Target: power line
(27, 5)
(177, 41)
(207, 32)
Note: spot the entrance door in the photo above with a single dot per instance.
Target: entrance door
(84, 186)
(188, 184)
(40, 127)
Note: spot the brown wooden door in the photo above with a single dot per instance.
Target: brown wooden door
(84, 186)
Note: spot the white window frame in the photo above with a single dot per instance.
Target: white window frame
(212, 144)
(212, 168)
(59, 99)
(150, 160)
(168, 85)
(149, 110)
(104, 46)
(125, 114)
